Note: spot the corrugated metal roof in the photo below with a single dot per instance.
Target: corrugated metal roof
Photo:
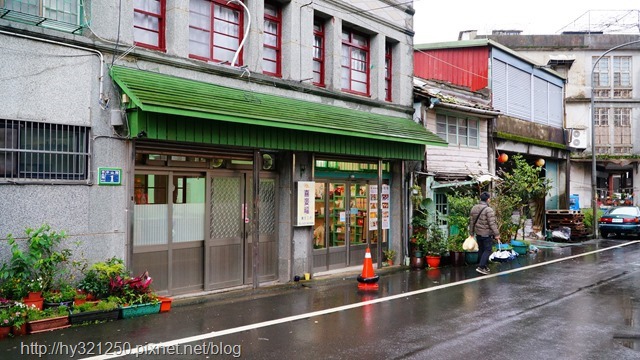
(482, 43)
(153, 92)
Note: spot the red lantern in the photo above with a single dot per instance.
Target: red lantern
(540, 162)
(503, 158)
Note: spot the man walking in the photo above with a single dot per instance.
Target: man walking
(482, 225)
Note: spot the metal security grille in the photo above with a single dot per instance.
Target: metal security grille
(225, 208)
(43, 151)
(63, 15)
(267, 206)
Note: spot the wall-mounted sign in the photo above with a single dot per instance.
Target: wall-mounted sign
(386, 197)
(109, 176)
(306, 205)
(373, 206)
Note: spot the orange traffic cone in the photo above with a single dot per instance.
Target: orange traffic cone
(367, 280)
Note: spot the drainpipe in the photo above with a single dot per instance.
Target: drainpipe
(102, 101)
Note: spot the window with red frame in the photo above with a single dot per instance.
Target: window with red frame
(148, 23)
(318, 53)
(387, 72)
(272, 40)
(355, 62)
(215, 30)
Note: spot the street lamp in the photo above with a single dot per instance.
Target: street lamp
(594, 187)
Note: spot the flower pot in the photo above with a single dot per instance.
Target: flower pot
(91, 316)
(471, 257)
(165, 303)
(38, 304)
(433, 261)
(38, 326)
(19, 330)
(417, 261)
(34, 295)
(127, 312)
(457, 258)
(4, 332)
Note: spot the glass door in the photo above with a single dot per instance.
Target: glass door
(358, 224)
(186, 252)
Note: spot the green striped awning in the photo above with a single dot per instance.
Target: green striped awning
(157, 93)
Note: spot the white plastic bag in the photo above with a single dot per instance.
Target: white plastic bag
(470, 244)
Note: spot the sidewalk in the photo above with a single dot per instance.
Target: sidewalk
(547, 250)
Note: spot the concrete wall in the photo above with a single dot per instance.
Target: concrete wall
(56, 84)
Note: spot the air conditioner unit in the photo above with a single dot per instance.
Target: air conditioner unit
(578, 139)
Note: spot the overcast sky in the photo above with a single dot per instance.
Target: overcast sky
(437, 21)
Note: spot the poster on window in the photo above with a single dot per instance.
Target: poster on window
(306, 205)
(386, 196)
(373, 207)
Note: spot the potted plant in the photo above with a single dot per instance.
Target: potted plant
(53, 318)
(418, 241)
(96, 281)
(389, 255)
(91, 311)
(18, 313)
(454, 245)
(436, 245)
(6, 321)
(460, 204)
(419, 224)
(134, 295)
(35, 268)
(62, 297)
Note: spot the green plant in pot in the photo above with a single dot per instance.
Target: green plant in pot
(63, 295)
(97, 278)
(436, 244)
(48, 313)
(102, 305)
(36, 267)
(389, 256)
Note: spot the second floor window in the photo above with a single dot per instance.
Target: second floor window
(612, 77)
(457, 131)
(43, 151)
(215, 30)
(148, 23)
(613, 137)
(64, 15)
(271, 60)
(387, 72)
(318, 53)
(355, 62)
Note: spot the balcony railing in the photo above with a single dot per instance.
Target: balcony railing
(62, 15)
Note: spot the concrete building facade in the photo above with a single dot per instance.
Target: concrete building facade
(194, 138)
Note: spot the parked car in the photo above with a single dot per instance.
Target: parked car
(620, 220)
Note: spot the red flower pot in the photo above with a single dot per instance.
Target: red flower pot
(433, 261)
(4, 331)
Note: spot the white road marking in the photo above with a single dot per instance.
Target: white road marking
(213, 334)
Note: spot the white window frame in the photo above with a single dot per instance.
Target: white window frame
(458, 131)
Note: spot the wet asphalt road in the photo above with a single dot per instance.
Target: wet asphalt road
(586, 306)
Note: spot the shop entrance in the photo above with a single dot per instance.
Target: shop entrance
(168, 227)
(341, 231)
(230, 227)
(193, 229)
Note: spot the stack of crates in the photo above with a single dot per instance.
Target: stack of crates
(573, 219)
